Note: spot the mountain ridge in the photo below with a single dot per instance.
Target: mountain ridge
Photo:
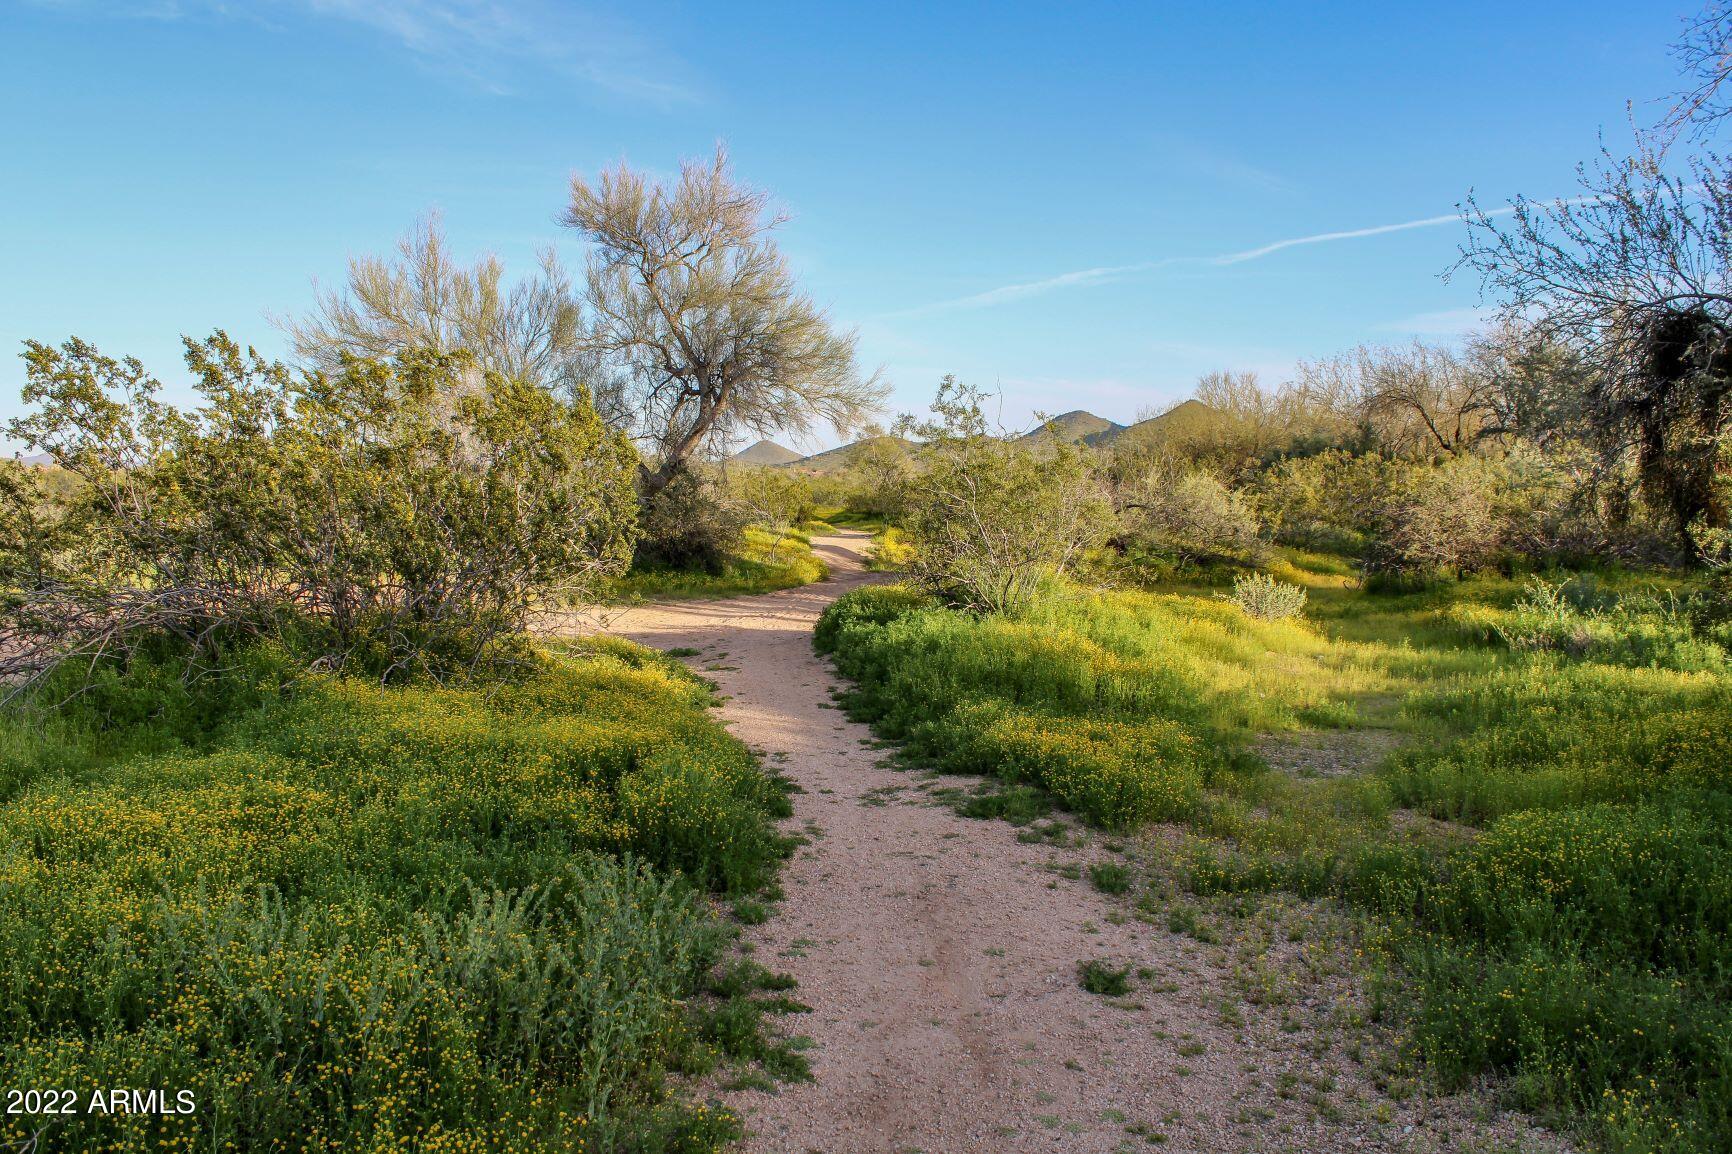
(766, 452)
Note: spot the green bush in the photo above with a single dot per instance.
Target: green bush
(1104, 978)
(1110, 877)
(1189, 516)
(865, 609)
(402, 517)
(990, 518)
(692, 524)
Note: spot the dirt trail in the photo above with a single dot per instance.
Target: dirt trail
(940, 954)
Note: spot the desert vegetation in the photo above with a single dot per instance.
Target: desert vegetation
(1506, 557)
(303, 814)
(299, 816)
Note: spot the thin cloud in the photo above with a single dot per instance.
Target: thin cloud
(1013, 292)
(482, 42)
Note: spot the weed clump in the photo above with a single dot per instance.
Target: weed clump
(1103, 978)
(1110, 877)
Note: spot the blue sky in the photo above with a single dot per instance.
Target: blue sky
(1039, 198)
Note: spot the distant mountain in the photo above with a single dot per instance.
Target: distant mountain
(39, 461)
(1077, 425)
(835, 460)
(1183, 420)
(766, 453)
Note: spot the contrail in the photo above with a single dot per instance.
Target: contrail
(1348, 234)
(1107, 273)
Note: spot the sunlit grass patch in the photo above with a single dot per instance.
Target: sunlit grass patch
(1544, 855)
(764, 562)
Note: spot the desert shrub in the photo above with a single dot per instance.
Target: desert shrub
(691, 524)
(33, 534)
(990, 518)
(775, 498)
(1110, 877)
(1189, 516)
(865, 609)
(371, 916)
(1444, 519)
(1263, 597)
(1099, 976)
(401, 517)
(1323, 501)
(878, 478)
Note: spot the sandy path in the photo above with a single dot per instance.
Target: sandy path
(939, 954)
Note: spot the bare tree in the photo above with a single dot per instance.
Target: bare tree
(1418, 400)
(694, 305)
(1705, 54)
(1531, 387)
(1631, 278)
(423, 299)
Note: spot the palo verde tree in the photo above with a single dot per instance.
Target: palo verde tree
(695, 308)
(423, 299)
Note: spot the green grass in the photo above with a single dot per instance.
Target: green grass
(346, 916)
(764, 562)
(1567, 924)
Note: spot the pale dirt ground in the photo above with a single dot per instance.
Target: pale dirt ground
(939, 955)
